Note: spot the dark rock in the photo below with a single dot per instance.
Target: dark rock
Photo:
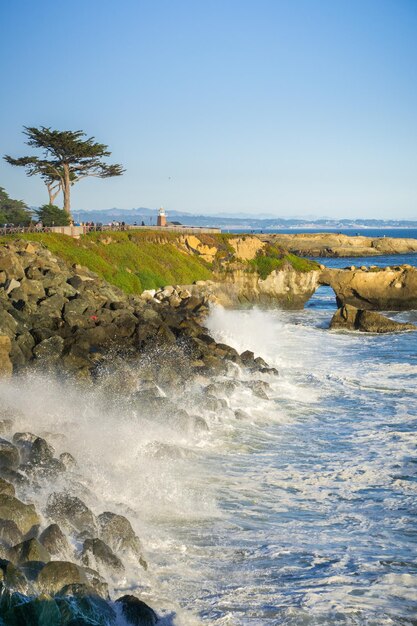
(247, 356)
(10, 534)
(41, 452)
(80, 604)
(29, 550)
(71, 513)
(259, 388)
(96, 553)
(349, 317)
(117, 532)
(97, 582)
(57, 574)
(12, 577)
(34, 612)
(9, 454)
(54, 540)
(49, 350)
(137, 612)
(24, 515)
(67, 460)
(6, 487)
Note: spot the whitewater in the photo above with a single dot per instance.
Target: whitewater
(298, 508)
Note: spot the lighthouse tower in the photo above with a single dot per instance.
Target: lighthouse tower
(162, 218)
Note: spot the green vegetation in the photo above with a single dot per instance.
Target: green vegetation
(133, 262)
(13, 211)
(274, 258)
(51, 215)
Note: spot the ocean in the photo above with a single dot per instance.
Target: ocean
(295, 509)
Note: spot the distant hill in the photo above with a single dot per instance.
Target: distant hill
(227, 221)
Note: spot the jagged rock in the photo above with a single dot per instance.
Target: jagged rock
(13, 578)
(117, 532)
(67, 460)
(6, 487)
(10, 534)
(9, 454)
(55, 575)
(34, 612)
(259, 388)
(80, 605)
(49, 350)
(6, 365)
(137, 612)
(96, 553)
(41, 452)
(54, 540)
(71, 513)
(350, 318)
(97, 582)
(29, 550)
(24, 515)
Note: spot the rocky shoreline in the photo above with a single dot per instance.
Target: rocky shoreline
(338, 245)
(64, 322)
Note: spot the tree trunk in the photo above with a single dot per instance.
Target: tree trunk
(52, 193)
(66, 188)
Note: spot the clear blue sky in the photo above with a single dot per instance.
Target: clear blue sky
(288, 107)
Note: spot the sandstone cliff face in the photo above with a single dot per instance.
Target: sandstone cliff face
(335, 245)
(285, 288)
(390, 289)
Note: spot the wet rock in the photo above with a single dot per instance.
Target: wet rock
(97, 554)
(6, 365)
(24, 515)
(29, 550)
(41, 452)
(117, 532)
(242, 415)
(71, 513)
(10, 534)
(259, 388)
(9, 454)
(137, 612)
(34, 612)
(49, 350)
(6, 487)
(55, 575)
(12, 577)
(349, 317)
(80, 605)
(54, 540)
(97, 582)
(67, 460)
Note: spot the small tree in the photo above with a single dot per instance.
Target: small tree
(52, 215)
(67, 158)
(13, 211)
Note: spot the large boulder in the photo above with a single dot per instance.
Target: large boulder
(57, 574)
(29, 550)
(72, 514)
(9, 454)
(350, 318)
(54, 540)
(98, 555)
(24, 515)
(137, 612)
(117, 532)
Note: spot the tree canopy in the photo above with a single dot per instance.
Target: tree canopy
(13, 211)
(67, 158)
(51, 215)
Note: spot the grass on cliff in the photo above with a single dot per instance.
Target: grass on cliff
(273, 258)
(132, 262)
